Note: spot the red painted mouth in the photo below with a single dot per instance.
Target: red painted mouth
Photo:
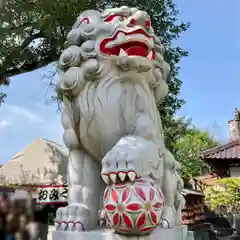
(134, 43)
(131, 48)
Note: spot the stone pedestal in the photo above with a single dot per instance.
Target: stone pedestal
(177, 233)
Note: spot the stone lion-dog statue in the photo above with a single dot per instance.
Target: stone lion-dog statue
(112, 76)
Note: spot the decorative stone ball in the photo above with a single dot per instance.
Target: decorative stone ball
(133, 208)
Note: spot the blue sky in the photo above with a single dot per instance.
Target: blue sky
(210, 76)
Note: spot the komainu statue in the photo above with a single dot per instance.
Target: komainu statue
(112, 76)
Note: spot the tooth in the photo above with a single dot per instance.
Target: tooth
(105, 178)
(122, 53)
(132, 176)
(121, 37)
(149, 56)
(113, 177)
(122, 176)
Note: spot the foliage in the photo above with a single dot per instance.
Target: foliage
(32, 34)
(174, 130)
(3, 82)
(224, 197)
(188, 151)
(22, 22)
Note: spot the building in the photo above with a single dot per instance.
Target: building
(224, 160)
(41, 163)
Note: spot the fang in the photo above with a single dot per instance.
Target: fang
(122, 53)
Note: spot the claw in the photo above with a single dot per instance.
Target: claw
(165, 224)
(122, 176)
(132, 176)
(70, 225)
(113, 177)
(79, 226)
(64, 225)
(56, 224)
(105, 178)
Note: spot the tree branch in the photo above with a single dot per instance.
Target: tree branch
(27, 67)
(29, 39)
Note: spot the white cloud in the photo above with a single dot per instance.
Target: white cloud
(27, 122)
(23, 113)
(28, 115)
(4, 124)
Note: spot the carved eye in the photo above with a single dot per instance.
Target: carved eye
(114, 18)
(81, 21)
(85, 21)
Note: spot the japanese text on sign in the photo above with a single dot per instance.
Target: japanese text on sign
(52, 194)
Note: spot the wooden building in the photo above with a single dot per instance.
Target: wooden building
(193, 213)
(224, 160)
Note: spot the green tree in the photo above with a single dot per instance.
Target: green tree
(188, 151)
(224, 196)
(32, 34)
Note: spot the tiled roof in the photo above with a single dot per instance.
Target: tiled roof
(39, 163)
(228, 151)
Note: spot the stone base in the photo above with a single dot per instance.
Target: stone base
(177, 233)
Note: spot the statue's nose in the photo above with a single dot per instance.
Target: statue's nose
(140, 18)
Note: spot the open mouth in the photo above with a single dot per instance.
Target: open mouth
(134, 43)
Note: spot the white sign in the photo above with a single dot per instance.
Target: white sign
(52, 194)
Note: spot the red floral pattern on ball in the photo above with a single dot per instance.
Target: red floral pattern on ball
(149, 209)
(133, 207)
(118, 206)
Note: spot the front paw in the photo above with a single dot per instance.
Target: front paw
(118, 168)
(122, 163)
(73, 217)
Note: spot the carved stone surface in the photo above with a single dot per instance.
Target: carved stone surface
(112, 76)
(177, 233)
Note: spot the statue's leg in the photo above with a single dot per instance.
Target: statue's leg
(179, 195)
(83, 187)
(81, 214)
(181, 200)
(169, 212)
(134, 155)
(169, 191)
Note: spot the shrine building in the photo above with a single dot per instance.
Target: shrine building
(224, 160)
